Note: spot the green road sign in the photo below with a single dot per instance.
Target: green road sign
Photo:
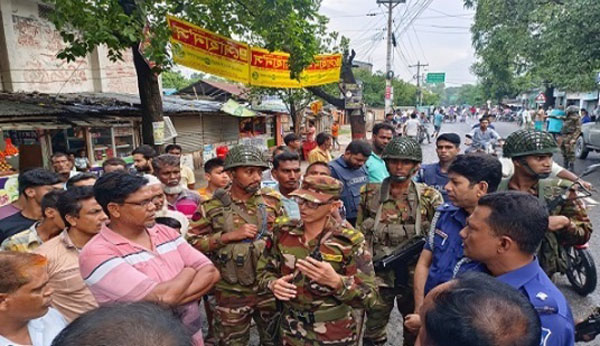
(438, 77)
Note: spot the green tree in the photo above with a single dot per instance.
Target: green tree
(293, 26)
(174, 80)
(525, 44)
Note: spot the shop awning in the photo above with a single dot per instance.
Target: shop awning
(33, 125)
(237, 110)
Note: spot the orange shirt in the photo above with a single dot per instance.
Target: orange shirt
(335, 129)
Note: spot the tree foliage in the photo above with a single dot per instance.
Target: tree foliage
(176, 80)
(525, 44)
(465, 94)
(405, 94)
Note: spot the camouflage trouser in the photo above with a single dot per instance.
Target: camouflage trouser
(340, 332)
(233, 315)
(568, 150)
(379, 316)
(210, 305)
(550, 256)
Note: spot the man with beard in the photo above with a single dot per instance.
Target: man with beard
(447, 146)
(382, 135)
(134, 259)
(286, 170)
(231, 228)
(349, 169)
(167, 168)
(393, 215)
(142, 158)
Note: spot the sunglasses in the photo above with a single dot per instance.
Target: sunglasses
(311, 205)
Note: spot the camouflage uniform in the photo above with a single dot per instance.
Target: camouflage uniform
(528, 142)
(400, 221)
(238, 296)
(578, 232)
(319, 315)
(571, 130)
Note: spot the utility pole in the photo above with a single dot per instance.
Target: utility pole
(389, 74)
(419, 91)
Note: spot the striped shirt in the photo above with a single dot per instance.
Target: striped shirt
(118, 270)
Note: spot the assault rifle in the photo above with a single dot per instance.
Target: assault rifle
(400, 259)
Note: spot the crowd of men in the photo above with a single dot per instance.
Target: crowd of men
(320, 257)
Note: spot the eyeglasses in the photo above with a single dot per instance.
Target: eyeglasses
(145, 203)
(309, 204)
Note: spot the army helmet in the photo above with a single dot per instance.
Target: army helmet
(403, 148)
(245, 155)
(572, 109)
(529, 142)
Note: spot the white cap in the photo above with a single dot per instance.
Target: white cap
(152, 180)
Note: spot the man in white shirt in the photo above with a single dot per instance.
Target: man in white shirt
(26, 317)
(411, 127)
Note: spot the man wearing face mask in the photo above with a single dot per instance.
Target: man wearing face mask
(167, 169)
(391, 215)
(568, 224)
(232, 228)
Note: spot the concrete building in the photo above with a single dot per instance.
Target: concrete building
(28, 47)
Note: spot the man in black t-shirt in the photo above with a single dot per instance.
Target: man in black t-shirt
(33, 185)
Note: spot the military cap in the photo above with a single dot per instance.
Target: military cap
(319, 189)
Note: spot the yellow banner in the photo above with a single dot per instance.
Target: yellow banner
(215, 54)
(206, 51)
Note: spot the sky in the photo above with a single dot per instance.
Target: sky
(439, 35)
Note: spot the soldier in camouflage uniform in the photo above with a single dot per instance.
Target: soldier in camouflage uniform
(318, 269)
(231, 229)
(569, 224)
(571, 130)
(392, 214)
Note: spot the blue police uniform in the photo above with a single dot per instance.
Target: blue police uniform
(432, 175)
(557, 320)
(353, 180)
(446, 246)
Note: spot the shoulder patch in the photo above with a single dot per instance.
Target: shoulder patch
(447, 207)
(270, 192)
(354, 236)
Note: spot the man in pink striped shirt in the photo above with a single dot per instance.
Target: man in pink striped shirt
(133, 259)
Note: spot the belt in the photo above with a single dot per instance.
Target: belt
(326, 315)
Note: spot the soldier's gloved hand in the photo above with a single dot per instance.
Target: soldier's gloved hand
(412, 322)
(558, 222)
(283, 289)
(246, 231)
(320, 272)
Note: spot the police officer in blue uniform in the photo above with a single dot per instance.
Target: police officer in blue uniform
(436, 174)
(504, 232)
(470, 177)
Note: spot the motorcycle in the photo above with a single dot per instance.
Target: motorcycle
(581, 269)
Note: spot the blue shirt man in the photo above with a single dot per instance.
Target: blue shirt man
(556, 317)
(446, 247)
(442, 258)
(436, 174)
(349, 169)
(376, 168)
(504, 232)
